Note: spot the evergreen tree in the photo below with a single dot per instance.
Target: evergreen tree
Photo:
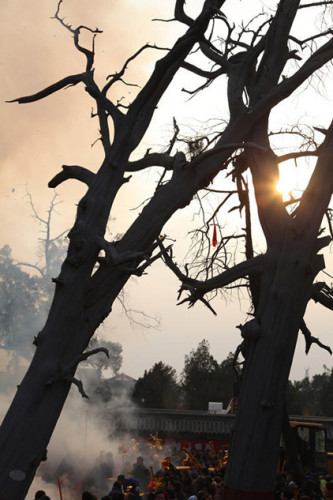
(157, 388)
(201, 378)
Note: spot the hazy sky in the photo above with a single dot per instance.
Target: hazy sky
(36, 139)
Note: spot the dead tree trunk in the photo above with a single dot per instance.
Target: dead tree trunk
(292, 262)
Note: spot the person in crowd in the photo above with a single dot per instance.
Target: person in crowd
(329, 490)
(322, 482)
(187, 484)
(108, 464)
(287, 493)
(129, 496)
(118, 496)
(202, 495)
(161, 495)
(116, 488)
(174, 489)
(141, 473)
(151, 495)
(121, 479)
(218, 485)
(87, 495)
(132, 485)
(280, 485)
(39, 494)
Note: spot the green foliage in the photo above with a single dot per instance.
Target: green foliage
(312, 396)
(102, 362)
(293, 400)
(157, 388)
(201, 379)
(22, 306)
(228, 380)
(327, 396)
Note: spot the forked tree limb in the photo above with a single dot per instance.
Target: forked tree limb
(78, 384)
(309, 339)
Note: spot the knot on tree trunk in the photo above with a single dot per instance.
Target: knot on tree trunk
(251, 330)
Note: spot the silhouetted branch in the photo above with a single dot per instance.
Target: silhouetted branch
(311, 38)
(151, 160)
(205, 74)
(232, 146)
(132, 315)
(180, 13)
(65, 82)
(78, 384)
(72, 172)
(118, 76)
(295, 155)
(90, 54)
(143, 106)
(323, 294)
(84, 356)
(287, 86)
(197, 289)
(315, 4)
(309, 339)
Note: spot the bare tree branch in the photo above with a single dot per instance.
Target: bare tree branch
(318, 59)
(151, 160)
(296, 154)
(218, 149)
(118, 76)
(76, 35)
(315, 4)
(323, 294)
(65, 82)
(180, 13)
(309, 339)
(72, 172)
(205, 74)
(78, 384)
(165, 70)
(230, 275)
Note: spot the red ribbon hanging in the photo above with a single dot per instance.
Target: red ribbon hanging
(214, 239)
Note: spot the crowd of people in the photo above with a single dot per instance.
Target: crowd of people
(202, 480)
(315, 487)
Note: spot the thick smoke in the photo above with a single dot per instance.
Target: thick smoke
(87, 451)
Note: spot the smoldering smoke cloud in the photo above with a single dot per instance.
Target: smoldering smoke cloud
(84, 436)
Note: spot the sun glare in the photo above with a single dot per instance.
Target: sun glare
(288, 181)
(283, 187)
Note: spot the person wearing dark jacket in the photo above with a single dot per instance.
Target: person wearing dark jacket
(141, 473)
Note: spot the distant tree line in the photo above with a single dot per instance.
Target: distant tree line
(203, 379)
